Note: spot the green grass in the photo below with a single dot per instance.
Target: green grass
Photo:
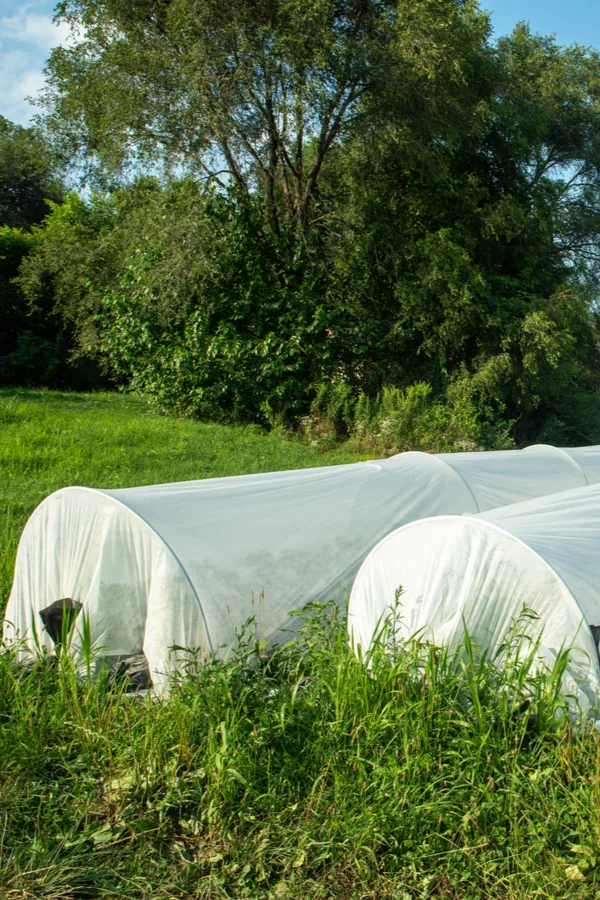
(49, 440)
(306, 775)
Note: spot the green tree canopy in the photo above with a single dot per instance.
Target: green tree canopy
(370, 192)
(28, 176)
(478, 246)
(251, 94)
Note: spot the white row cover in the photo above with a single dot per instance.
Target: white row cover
(187, 564)
(480, 571)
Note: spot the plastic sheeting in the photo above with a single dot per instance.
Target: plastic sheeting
(187, 564)
(480, 571)
(588, 460)
(500, 477)
(82, 545)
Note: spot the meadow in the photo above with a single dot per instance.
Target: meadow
(305, 774)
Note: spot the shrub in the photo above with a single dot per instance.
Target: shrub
(212, 318)
(35, 345)
(14, 247)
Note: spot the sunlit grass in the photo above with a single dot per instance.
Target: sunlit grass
(304, 775)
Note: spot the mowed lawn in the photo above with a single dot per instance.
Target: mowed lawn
(49, 440)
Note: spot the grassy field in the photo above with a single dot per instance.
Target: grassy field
(307, 776)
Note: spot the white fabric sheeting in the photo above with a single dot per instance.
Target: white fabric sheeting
(509, 476)
(82, 545)
(481, 570)
(189, 563)
(564, 529)
(588, 460)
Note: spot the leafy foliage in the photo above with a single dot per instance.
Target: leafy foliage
(458, 247)
(388, 201)
(209, 319)
(35, 342)
(256, 93)
(397, 420)
(32, 349)
(14, 246)
(78, 253)
(28, 176)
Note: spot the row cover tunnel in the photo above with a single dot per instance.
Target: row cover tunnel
(480, 572)
(186, 565)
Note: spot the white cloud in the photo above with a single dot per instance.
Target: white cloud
(18, 81)
(33, 28)
(26, 39)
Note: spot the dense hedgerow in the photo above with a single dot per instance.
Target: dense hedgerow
(304, 773)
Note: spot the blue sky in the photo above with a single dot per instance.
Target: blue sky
(27, 34)
(573, 21)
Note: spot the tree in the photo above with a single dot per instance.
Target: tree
(78, 252)
(14, 246)
(547, 140)
(201, 319)
(251, 93)
(422, 203)
(28, 176)
(476, 247)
